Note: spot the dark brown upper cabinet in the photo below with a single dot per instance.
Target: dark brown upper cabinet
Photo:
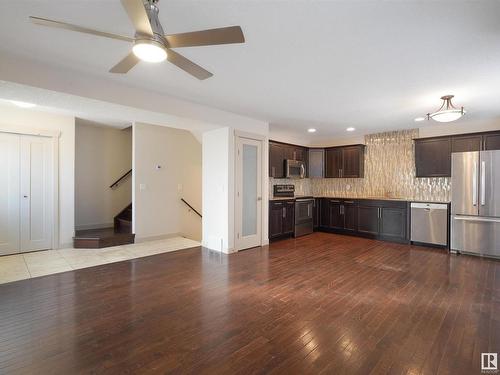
(466, 143)
(491, 141)
(433, 157)
(333, 162)
(279, 152)
(345, 161)
(276, 160)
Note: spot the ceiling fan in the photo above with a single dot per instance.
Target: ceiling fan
(150, 42)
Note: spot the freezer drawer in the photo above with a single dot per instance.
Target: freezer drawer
(429, 223)
(476, 234)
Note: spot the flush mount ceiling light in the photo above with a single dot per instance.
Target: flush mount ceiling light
(351, 129)
(22, 104)
(418, 119)
(311, 130)
(447, 112)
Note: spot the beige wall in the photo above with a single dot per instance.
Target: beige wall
(157, 192)
(102, 155)
(19, 120)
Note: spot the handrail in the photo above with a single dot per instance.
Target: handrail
(191, 207)
(114, 184)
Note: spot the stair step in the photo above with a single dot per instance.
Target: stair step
(99, 238)
(127, 215)
(123, 225)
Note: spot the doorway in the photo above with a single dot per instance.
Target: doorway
(26, 193)
(248, 193)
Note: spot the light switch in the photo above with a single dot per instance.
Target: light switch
(142, 187)
(179, 187)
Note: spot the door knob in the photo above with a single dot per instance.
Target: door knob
(259, 198)
(25, 196)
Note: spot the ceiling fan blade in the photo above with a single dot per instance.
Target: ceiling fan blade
(126, 64)
(187, 65)
(80, 29)
(137, 14)
(223, 35)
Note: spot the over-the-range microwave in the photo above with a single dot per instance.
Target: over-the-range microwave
(295, 169)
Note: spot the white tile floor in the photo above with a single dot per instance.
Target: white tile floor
(40, 263)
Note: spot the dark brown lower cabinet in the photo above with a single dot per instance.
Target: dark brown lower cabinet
(385, 220)
(275, 219)
(281, 218)
(337, 214)
(289, 218)
(350, 210)
(368, 219)
(393, 223)
(316, 212)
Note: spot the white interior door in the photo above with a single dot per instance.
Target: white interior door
(248, 193)
(36, 190)
(9, 193)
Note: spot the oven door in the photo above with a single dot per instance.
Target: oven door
(303, 210)
(304, 223)
(295, 169)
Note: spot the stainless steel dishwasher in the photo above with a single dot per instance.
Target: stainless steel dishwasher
(429, 223)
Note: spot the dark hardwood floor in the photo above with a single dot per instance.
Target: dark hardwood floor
(323, 303)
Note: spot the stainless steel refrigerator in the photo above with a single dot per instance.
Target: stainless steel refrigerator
(475, 202)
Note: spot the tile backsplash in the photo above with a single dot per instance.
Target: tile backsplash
(389, 172)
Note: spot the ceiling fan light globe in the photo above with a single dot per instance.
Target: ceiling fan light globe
(149, 52)
(447, 115)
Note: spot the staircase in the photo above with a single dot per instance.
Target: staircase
(120, 234)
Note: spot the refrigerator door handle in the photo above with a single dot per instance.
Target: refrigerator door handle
(483, 183)
(476, 218)
(474, 185)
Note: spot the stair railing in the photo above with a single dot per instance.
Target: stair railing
(191, 207)
(117, 182)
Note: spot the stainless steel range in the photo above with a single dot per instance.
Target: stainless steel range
(304, 222)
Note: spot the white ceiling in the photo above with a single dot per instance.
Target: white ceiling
(326, 64)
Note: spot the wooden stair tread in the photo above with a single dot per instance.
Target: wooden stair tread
(120, 234)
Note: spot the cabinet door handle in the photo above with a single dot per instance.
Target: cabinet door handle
(284, 212)
(349, 202)
(273, 171)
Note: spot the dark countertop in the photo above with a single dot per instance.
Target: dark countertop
(362, 198)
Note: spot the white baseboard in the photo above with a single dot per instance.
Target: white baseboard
(94, 226)
(156, 238)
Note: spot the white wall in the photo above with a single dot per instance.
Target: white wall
(102, 155)
(219, 190)
(158, 210)
(27, 120)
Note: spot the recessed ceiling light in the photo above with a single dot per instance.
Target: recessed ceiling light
(350, 129)
(311, 130)
(418, 119)
(22, 104)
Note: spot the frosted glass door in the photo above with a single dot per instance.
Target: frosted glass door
(249, 193)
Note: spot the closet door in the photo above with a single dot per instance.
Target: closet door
(9, 193)
(36, 193)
